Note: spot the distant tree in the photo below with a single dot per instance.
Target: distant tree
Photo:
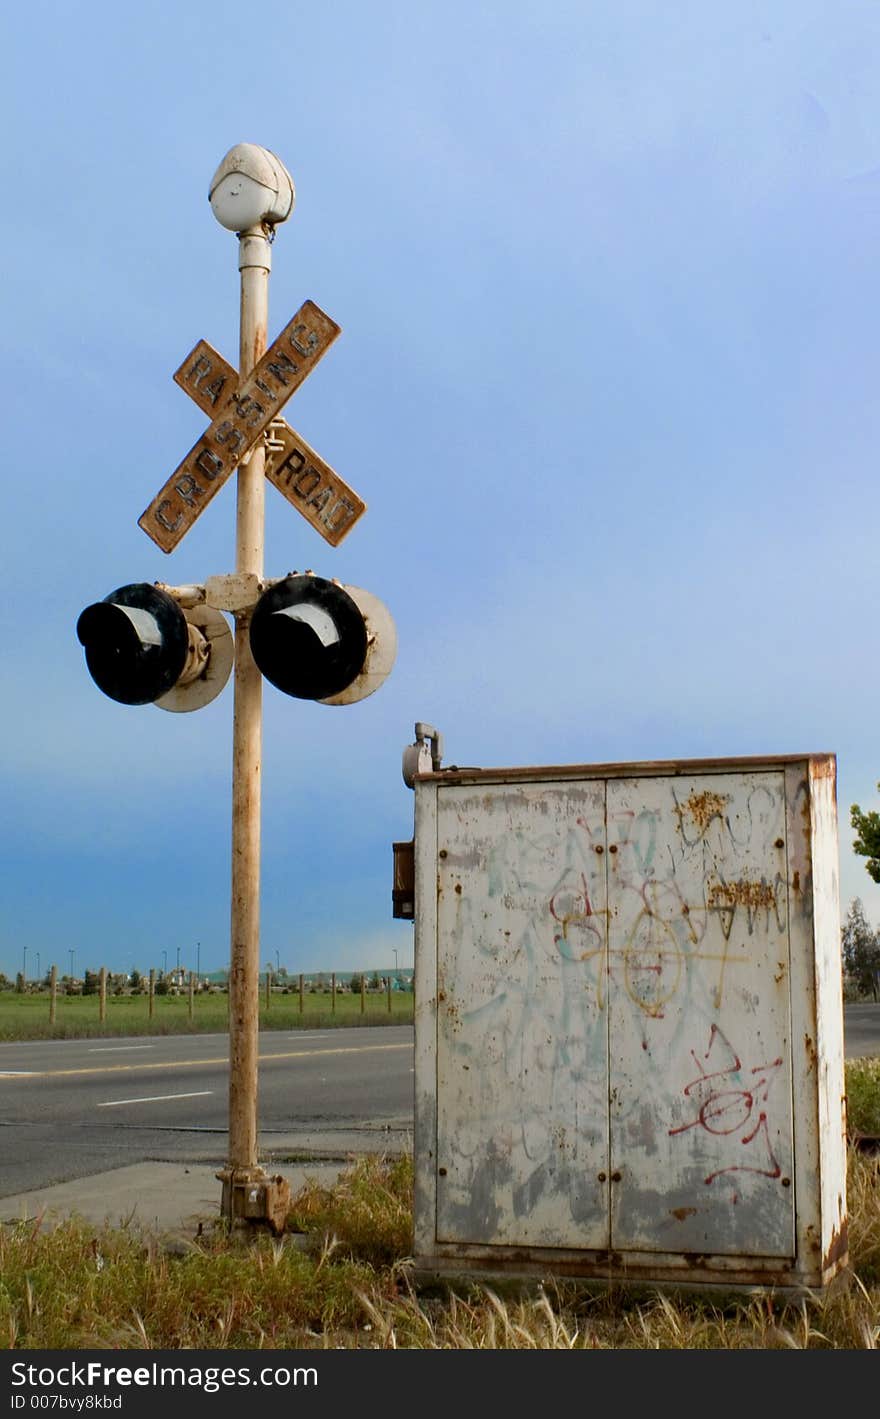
(861, 949)
(5, 983)
(376, 983)
(162, 986)
(355, 984)
(19, 984)
(867, 844)
(134, 979)
(90, 983)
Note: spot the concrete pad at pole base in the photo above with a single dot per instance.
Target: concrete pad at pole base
(155, 1197)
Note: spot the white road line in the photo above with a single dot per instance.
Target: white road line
(15, 1073)
(155, 1099)
(119, 1049)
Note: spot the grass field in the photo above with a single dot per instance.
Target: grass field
(26, 1017)
(340, 1276)
(340, 1279)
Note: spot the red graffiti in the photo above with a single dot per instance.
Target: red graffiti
(725, 1112)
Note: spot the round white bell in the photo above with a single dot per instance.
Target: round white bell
(251, 188)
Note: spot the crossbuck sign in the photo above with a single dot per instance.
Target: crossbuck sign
(240, 416)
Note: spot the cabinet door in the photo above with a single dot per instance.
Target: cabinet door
(700, 1029)
(522, 1062)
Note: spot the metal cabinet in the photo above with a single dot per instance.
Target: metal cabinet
(629, 1046)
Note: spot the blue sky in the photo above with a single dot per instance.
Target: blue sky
(608, 282)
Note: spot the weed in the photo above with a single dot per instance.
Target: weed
(349, 1286)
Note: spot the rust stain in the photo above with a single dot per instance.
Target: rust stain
(742, 894)
(703, 807)
(838, 1248)
(824, 768)
(796, 882)
(519, 1262)
(453, 1015)
(682, 1212)
(810, 1047)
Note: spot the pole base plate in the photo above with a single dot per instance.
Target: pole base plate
(250, 1198)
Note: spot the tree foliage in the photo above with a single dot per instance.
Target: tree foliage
(861, 949)
(867, 843)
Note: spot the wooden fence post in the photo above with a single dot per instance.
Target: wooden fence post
(152, 990)
(191, 986)
(333, 991)
(389, 994)
(102, 993)
(53, 991)
(301, 993)
(363, 993)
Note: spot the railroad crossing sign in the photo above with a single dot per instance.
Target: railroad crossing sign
(296, 470)
(241, 415)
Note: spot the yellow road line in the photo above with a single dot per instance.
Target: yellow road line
(194, 1063)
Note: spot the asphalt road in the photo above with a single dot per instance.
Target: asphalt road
(73, 1108)
(70, 1108)
(861, 1030)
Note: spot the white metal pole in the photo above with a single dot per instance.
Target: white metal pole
(254, 265)
(250, 193)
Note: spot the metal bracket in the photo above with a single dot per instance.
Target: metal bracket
(435, 738)
(272, 443)
(251, 1197)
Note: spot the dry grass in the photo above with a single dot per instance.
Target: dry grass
(343, 1280)
(340, 1277)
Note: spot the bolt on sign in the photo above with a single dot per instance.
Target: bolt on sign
(244, 415)
(292, 466)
